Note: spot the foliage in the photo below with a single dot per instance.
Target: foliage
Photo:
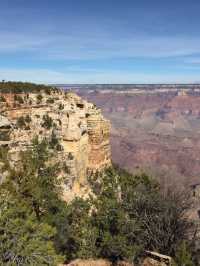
(2, 98)
(132, 214)
(70, 156)
(21, 123)
(61, 106)
(29, 203)
(27, 119)
(5, 135)
(50, 100)
(54, 142)
(48, 122)
(39, 98)
(25, 87)
(23, 240)
(18, 99)
(162, 216)
(80, 242)
(117, 232)
(36, 180)
(123, 216)
(183, 256)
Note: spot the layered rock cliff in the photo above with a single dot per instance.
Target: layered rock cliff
(75, 127)
(156, 131)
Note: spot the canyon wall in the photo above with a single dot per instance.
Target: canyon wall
(153, 131)
(77, 129)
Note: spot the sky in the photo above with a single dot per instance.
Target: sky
(100, 41)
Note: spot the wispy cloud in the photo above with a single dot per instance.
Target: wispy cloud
(92, 47)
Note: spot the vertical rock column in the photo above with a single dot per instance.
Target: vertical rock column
(99, 143)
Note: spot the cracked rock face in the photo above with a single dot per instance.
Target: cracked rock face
(82, 131)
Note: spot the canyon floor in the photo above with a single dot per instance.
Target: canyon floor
(158, 131)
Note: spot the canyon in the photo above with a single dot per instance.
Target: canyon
(154, 129)
(77, 135)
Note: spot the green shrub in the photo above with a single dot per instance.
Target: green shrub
(27, 119)
(2, 98)
(70, 156)
(183, 256)
(66, 168)
(50, 100)
(18, 99)
(59, 147)
(61, 106)
(25, 87)
(25, 240)
(53, 141)
(39, 98)
(4, 136)
(47, 122)
(21, 122)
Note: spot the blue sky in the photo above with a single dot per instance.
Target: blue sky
(100, 41)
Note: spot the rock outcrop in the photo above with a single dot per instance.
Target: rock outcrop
(90, 262)
(76, 127)
(99, 262)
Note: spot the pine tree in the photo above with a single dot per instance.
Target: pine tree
(24, 240)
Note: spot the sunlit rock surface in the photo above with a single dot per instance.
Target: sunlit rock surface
(82, 131)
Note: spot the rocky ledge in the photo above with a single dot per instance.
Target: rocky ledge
(75, 127)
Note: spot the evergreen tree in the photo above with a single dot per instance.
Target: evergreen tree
(24, 240)
(117, 231)
(35, 181)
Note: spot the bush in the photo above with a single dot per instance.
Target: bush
(183, 256)
(131, 214)
(2, 98)
(54, 142)
(70, 156)
(21, 122)
(29, 206)
(18, 99)
(39, 98)
(48, 122)
(61, 106)
(24, 240)
(27, 119)
(50, 100)
(25, 87)
(5, 136)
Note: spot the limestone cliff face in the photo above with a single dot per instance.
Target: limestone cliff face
(78, 126)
